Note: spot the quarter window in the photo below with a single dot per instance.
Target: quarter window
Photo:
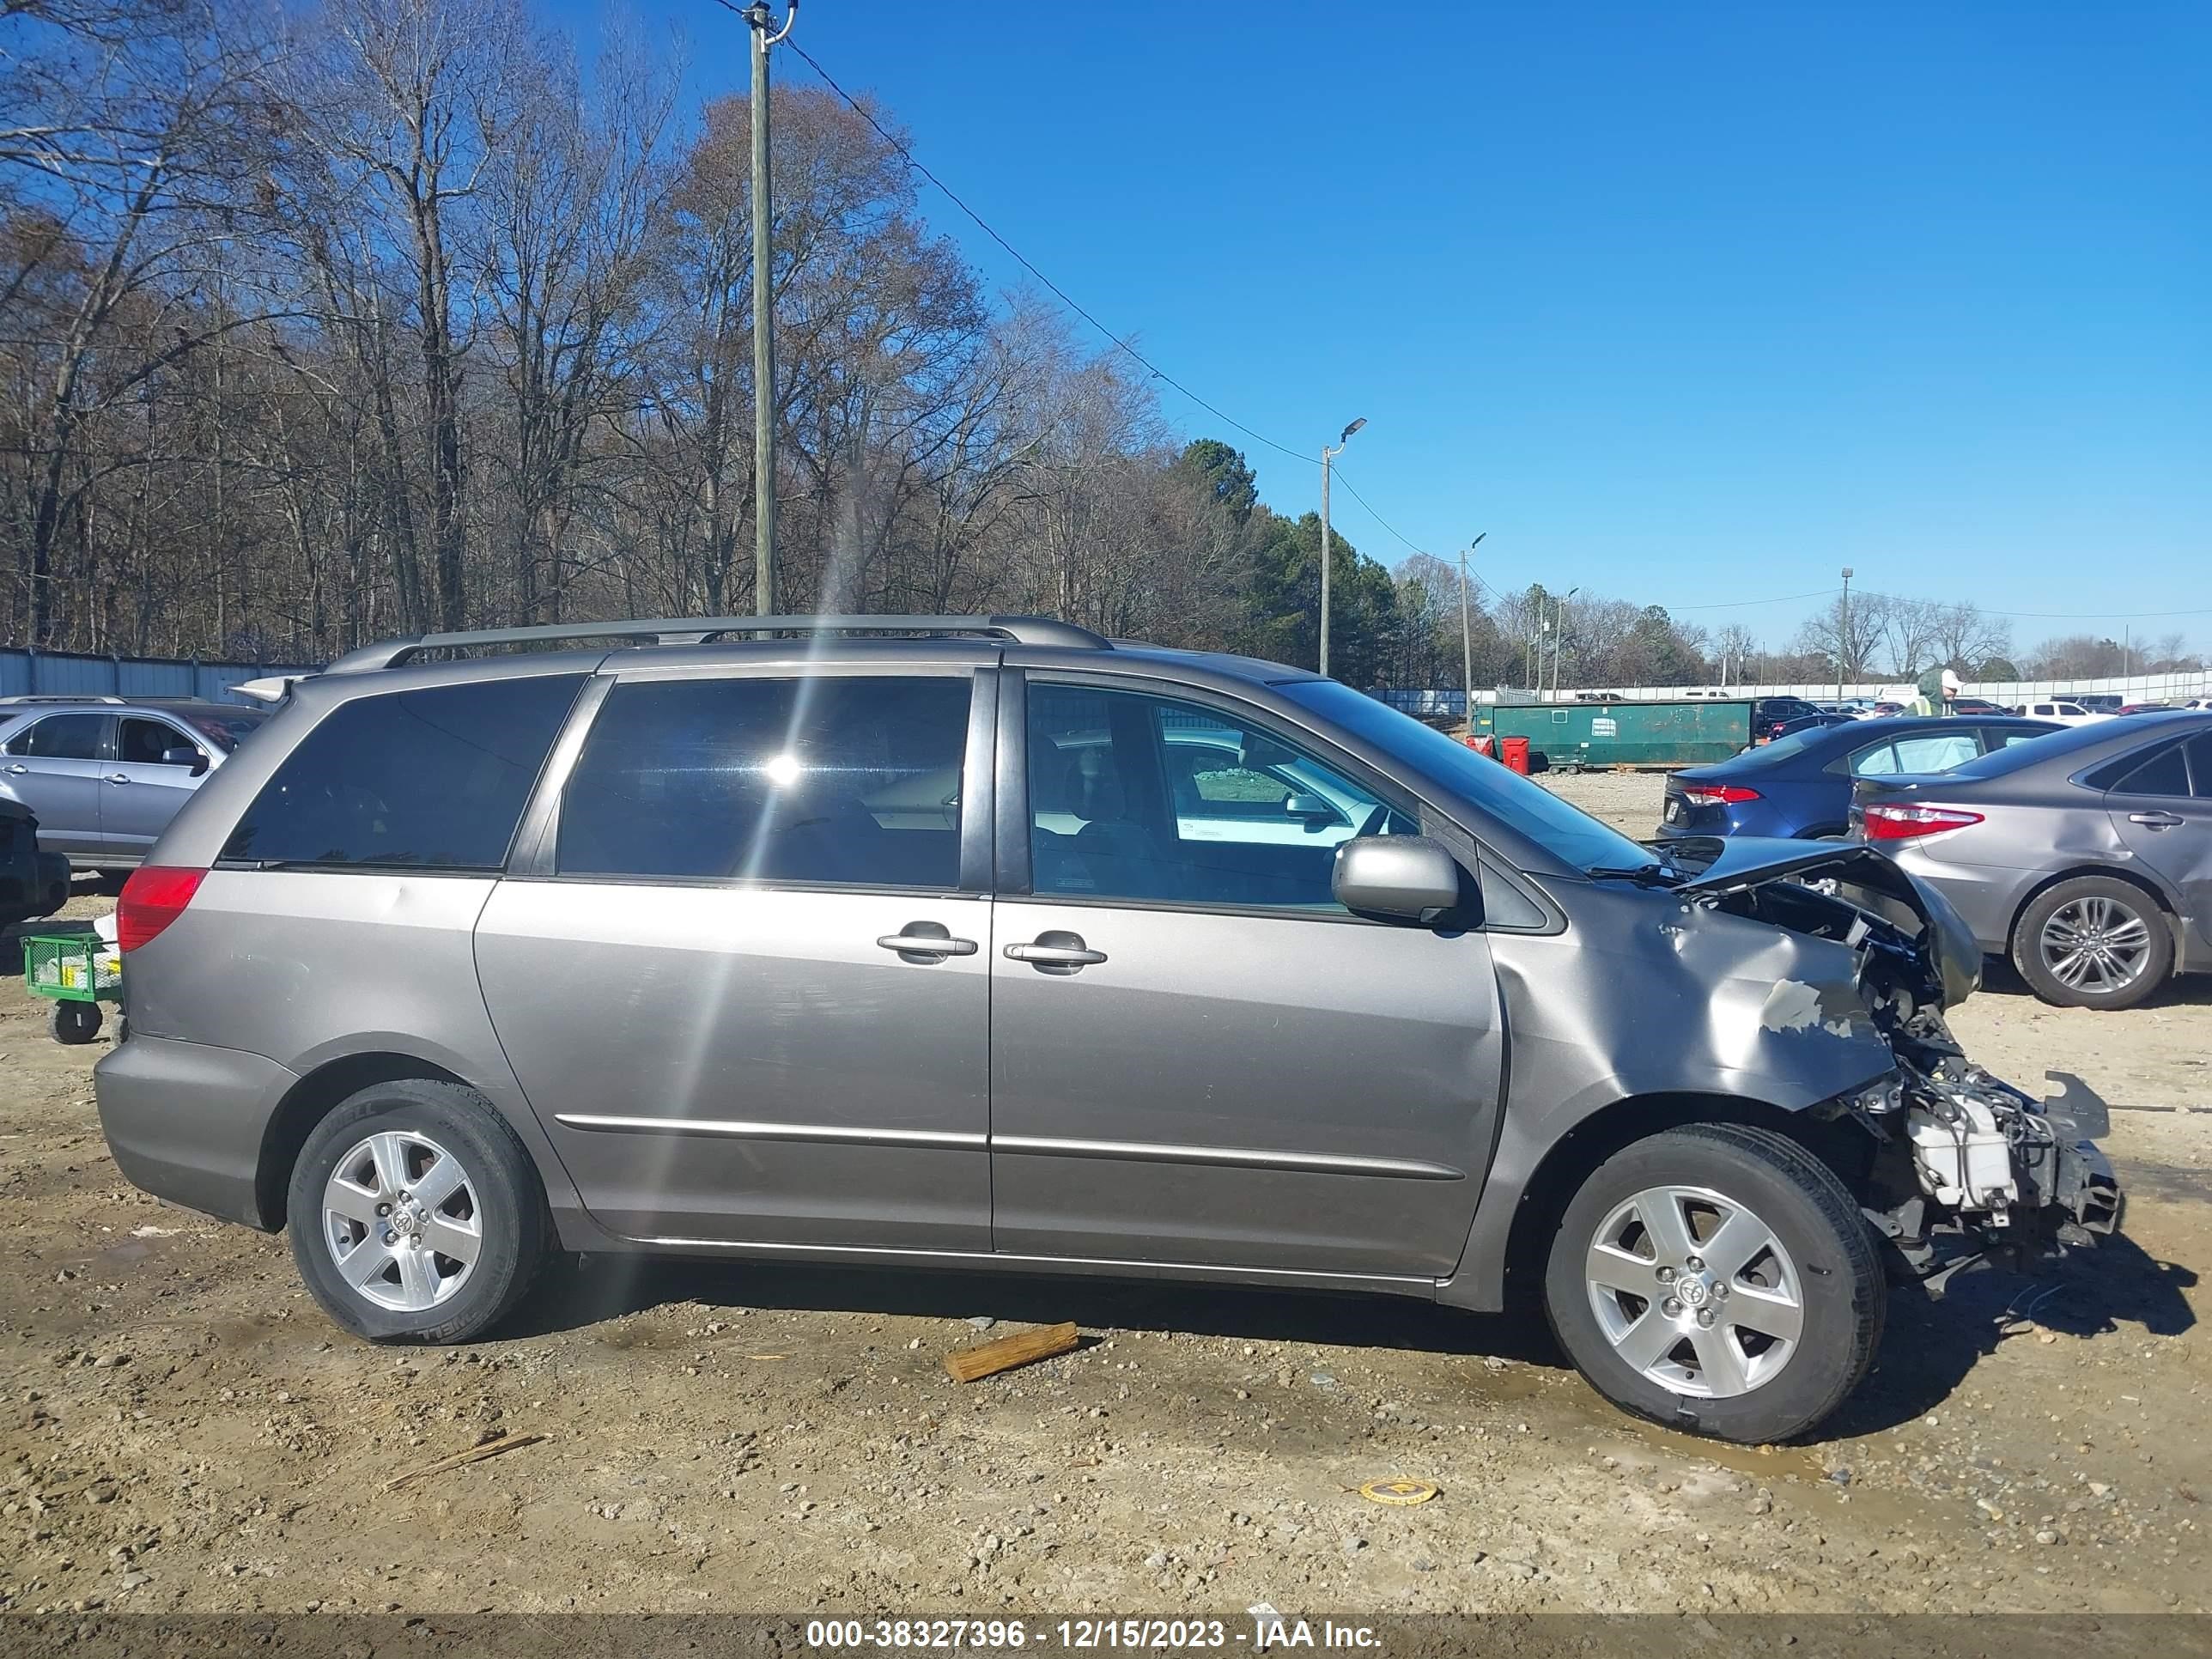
(61, 737)
(428, 779)
(854, 781)
(2165, 772)
(1135, 796)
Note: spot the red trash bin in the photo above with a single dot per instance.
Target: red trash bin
(1481, 746)
(1515, 750)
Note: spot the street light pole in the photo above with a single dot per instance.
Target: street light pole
(761, 22)
(1843, 634)
(1466, 633)
(1329, 455)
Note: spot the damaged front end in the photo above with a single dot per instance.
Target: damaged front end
(1964, 1167)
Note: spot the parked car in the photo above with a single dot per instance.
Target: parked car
(1770, 714)
(2099, 702)
(2065, 712)
(2086, 858)
(1884, 707)
(33, 882)
(1979, 706)
(1800, 785)
(2143, 707)
(105, 775)
(657, 948)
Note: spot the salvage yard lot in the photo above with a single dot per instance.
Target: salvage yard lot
(184, 1430)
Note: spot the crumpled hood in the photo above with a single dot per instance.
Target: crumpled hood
(1738, 864)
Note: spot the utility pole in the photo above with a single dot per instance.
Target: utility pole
(1467, 634)
(1559, 640)
(762, 22)
(1843, 634)
(1327, 456)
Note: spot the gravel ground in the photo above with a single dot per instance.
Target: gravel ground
(184, 1431)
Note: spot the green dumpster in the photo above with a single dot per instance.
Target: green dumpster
(1685, 732)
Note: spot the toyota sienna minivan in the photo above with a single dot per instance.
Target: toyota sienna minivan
(987, 942)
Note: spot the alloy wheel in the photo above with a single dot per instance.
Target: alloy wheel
(1694, 1291)
(402, 1222)
(2094, 944)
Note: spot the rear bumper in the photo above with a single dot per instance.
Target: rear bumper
(185, 1121)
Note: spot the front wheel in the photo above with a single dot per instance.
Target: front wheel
(1718, 1278)
(416, 1214)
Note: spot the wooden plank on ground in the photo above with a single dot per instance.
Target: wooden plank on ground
(966, 1364)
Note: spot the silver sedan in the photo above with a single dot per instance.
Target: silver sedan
(2086, 856)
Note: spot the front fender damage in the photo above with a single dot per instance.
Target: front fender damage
(1965, 1166)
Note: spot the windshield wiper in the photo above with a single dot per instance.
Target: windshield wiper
(1643, 875)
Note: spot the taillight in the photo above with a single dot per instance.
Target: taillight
(1894, 821)
(154, 896)
(1716, 794)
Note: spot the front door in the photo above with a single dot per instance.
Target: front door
(747, 994)
(1197, 1055)
(55, 766)
(2163, 811)
(142, 790)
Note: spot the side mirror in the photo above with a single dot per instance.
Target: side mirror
(184, 756)
(1312, 811)
(1403, 878)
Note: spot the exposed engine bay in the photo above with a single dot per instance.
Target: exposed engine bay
(1963, 1166)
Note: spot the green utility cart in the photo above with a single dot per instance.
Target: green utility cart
(1684, 732)
(77, 972)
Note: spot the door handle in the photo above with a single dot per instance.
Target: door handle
(926, 941)
(18, 769)
(2155, 820)
(119, 777)
(1056, 952)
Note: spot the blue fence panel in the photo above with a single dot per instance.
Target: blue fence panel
(59, 673)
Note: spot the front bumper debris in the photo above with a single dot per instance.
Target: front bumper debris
(1987, 1175)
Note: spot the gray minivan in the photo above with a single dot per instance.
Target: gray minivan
(998, 945)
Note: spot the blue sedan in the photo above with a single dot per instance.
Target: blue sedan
(1800, 785)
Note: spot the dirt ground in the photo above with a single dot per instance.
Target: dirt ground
(183, 1430)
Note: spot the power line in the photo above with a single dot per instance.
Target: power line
(1061, 294)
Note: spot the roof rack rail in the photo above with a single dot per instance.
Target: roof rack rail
(59, 696)
(694, 631)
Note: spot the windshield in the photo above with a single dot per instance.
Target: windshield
(1787, 744)
(1528, 808)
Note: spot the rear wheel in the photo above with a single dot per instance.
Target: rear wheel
(416, 1215)
(2093, 942)
(74, 1023)
(1719, 1278)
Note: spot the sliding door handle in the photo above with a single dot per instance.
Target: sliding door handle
(926, 941)
(1055, 953)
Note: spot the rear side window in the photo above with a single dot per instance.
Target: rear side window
(61, 737)
(854, 781)
(429, 780)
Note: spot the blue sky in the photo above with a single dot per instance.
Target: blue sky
(1691, 304)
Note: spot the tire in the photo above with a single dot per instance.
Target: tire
(2125, 914)
(417, 1293)
(1817, 1252)
(74, 1023)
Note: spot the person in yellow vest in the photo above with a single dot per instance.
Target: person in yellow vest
(1938, 689)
